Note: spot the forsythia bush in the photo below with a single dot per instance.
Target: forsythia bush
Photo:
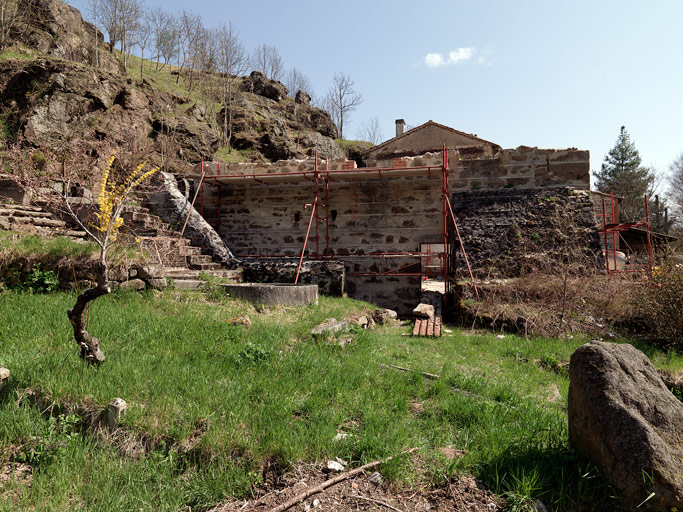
(111, 195)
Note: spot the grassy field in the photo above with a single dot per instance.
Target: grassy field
(215, 408)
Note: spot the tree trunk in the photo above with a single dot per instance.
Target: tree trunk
(90, 346)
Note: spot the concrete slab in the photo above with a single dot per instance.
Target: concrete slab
(274, 294)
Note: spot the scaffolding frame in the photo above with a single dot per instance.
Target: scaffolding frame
(613, 229)
(321, 179)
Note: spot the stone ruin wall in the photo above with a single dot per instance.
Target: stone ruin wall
(392, 214)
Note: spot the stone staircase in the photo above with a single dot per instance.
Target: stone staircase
(35, 220)
(182, 261)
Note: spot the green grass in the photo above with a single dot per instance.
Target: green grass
(18, 53)
(270, 396)
(22, 244)
(223, 154)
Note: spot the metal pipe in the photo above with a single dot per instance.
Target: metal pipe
(604, 229)
(649, 246)
(301, 259)
(189, 211)
(462, 248)
(218, 204)
(201, 192)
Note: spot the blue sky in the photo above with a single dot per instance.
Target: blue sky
(540, 73)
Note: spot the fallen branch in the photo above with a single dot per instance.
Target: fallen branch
(379, 502)
(431, 376)
(332, 481)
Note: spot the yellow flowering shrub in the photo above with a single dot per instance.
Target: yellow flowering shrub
(111, 196)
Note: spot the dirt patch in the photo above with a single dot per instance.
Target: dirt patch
(13, 478)
(363, 493)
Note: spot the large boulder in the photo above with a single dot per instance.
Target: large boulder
(257, 83)
(623, 419)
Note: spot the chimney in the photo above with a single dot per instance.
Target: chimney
(400, 127)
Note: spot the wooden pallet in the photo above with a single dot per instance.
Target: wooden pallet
(427, 327)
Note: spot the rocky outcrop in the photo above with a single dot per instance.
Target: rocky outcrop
(623, 419)
(75, 88)
(54, 28)
(171, 205)
(302, 98)
(257, 83)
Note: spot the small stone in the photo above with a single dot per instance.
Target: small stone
(316, 502)
(447, 330)
(491, 507)
(239, 320)
(384, 316)
(500, 336)
(375, 479)
(329, 326)
(4, 377)
(115, 410)
(539, 506)
(341, 436)
(133, 284)
(334, 467)
(157, 283)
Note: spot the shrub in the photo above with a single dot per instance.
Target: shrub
(662, 303)
(40, 281)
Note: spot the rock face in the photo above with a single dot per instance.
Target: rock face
(54, 28)
(302, 97)
(257, 83)
(624, 419)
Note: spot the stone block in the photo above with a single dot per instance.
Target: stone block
(115, 410)
(158, 283)
(133, 284)
(329, 327)
(4, 378)
(424, 311)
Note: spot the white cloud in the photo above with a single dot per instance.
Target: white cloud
(434, 60)
(437, 60)
(460, 55)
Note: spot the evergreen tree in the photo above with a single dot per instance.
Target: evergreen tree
(623, 174)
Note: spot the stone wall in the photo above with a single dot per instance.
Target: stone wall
(508, 233)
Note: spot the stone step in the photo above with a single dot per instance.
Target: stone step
(21, 207)
(187, 284)
(21, 222)
(184, 273)
(205, 266)
(198, 259)
(11, 212)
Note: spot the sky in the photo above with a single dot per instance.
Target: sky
(552, 74)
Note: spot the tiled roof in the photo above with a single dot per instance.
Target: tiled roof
(429, 123)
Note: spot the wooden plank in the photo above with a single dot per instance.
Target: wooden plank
(416, 329)
(430, 328)
(437, 326)
(423, 328)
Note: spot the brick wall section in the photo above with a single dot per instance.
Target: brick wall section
(508, 233)
(366, 215)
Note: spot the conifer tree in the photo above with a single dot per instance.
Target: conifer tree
(623, 174)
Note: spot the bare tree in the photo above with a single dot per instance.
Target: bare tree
(296, 81)
(158, 21)
(10, 14)
(371, 131)
(189, 26)
(142, 37)
(232, 61)
(341, 100)
(268, 61)
(167, 44)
